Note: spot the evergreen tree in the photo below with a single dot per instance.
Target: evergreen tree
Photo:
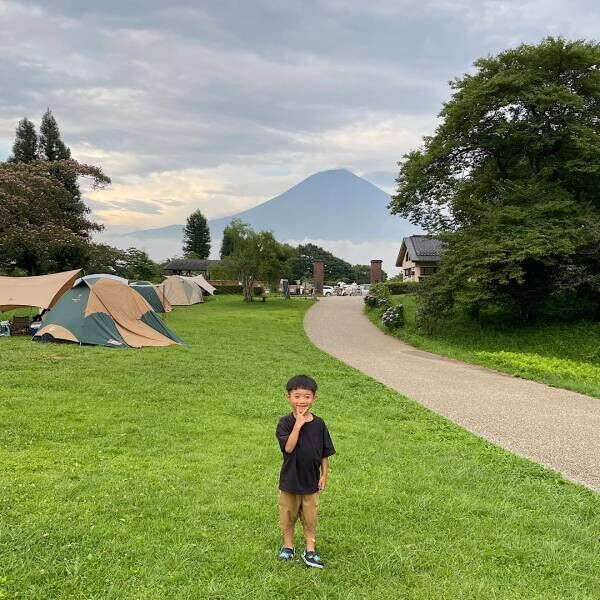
(51, 146)
(52, 149)
(25, 148)
(196, 235)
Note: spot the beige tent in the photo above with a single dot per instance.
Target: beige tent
(200, 281)
(104, 312)
(180, 291)
(159, 288)
(42, 291)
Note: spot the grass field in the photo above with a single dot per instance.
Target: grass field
(563, 355)
(152, 474)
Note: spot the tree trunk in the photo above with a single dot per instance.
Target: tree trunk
(248, 288)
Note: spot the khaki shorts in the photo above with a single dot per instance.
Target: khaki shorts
(305, 506)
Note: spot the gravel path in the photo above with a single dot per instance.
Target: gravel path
(554, 427)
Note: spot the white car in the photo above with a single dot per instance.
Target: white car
(327, 290)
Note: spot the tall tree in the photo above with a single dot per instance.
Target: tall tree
(511, 180)
(25, 148)
(196, 235)
(51, 146)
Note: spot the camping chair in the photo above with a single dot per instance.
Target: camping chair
(20, 325)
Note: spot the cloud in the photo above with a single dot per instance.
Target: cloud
(223, 105)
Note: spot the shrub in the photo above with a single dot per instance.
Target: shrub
(378, 296)
(402, 287)
(229, 289)
(393, 317)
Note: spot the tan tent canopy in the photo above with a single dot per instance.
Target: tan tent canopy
(180, 291)
(105, 312)
(199, 280)
(42, 291)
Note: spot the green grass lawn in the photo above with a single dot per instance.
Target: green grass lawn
(152, 474)
(563, 355)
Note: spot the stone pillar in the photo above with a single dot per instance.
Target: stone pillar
(376, 272)
(318, 276)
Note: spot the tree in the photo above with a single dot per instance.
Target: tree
(196, 235)
(43, 228)
(25, 148)
(336, 269)
(255, 256)
(139, 266)
(50, 144)
(511, 180)
(103, 258)
(226, 243)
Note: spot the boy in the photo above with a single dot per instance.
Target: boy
(306, 446)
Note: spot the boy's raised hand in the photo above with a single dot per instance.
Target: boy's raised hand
(301, 418)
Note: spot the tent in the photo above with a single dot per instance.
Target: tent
(154, 295)
(200, 281)
(180, 291)
(94, 276)
(42, 291)
(105, 313)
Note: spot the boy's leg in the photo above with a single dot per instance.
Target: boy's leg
(289, 505)
(309, 510)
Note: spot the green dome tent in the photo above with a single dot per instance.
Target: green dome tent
(154, 295)
(105, 312)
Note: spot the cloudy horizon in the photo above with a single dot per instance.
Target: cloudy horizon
(223, 106)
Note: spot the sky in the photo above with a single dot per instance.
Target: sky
(223, 104)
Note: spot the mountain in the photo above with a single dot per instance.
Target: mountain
(329, 205)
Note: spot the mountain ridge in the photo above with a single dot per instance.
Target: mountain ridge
(334, 204)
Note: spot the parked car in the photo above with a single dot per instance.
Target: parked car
(328, 290)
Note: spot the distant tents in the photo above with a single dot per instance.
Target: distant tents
(180, 291)
(154, 294)
(105, 312)
(201, 282)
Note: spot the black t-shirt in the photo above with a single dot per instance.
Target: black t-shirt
(301, 468)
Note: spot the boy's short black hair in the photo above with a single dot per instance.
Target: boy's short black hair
(301, 382)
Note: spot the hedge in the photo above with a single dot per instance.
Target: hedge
(236, 289)
(402, 287)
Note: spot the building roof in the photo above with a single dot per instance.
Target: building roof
(190, 264)
(421, 248)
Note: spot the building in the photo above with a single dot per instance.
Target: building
(418, 256)
(190, 266)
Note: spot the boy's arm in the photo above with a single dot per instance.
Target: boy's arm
(324, 472)
(292, 440)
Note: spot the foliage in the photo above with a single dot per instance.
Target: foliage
(256, 256)
(25, 147)
(121, 478)
(393, 317)
(103, 258)
(43, 226)
(378, 296)
(510, 179)
(139, 266)
(226, 243)
(196, 235)
(398, 287)
(336, 269)
(51, 146)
